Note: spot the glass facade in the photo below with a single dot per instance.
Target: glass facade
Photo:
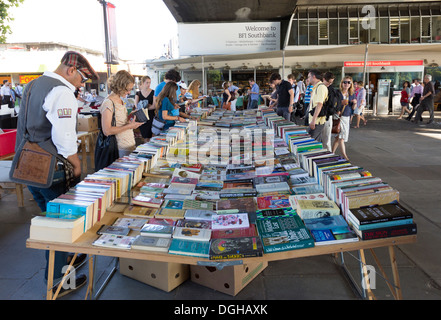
(357, 24)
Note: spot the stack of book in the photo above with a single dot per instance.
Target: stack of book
(382, 221)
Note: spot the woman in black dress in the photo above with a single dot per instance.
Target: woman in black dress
(144, 99)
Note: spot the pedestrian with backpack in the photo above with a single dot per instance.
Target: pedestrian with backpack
(328, 80)
(319, 94)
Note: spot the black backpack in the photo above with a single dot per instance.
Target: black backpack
(331, 104)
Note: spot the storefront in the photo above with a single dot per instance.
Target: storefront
(384, 80)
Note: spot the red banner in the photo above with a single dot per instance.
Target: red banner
(384, 63)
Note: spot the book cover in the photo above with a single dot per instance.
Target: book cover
(330, 230)
(235, 232)
(284, 233)
(195, 234)
(197, 204)
(274, 213)
(173, 214)
(195, 223)
(139, 211)
(308, 209)
(114, 241)
(190, 248)
(387, 232)
(247, 205)
(235, 248)
(141, 200)
(229, 221)
(206, 195)
(151, 243)
(118, 230)
(157, 230)
(131, 223)
(273, 202)
(196, 214)
(379, 213)
(183, 180)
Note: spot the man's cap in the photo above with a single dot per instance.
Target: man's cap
(75, 59)
(183, 85)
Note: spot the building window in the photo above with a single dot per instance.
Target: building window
(415, 30)
(436, 29)
(343, 25)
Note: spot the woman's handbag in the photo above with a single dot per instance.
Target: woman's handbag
(336, 128)
(106, 147)
(157, 126)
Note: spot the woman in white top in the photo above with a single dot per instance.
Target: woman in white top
(120, 84)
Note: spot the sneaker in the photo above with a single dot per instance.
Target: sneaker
(80, 281)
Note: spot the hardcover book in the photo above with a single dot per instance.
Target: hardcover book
(114, 241)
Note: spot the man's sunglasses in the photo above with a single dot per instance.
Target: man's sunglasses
(83, 77)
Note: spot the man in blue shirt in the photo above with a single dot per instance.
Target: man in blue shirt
(171, 75)
(253, 95)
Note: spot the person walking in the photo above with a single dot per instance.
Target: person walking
(51, 121)
(348, 100)
(328, 80)
(120, 84)
(415, 95)
(426, 101)
(361, 103)
(226, 97)
(404, 100)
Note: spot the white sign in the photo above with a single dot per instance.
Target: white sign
(228, 38)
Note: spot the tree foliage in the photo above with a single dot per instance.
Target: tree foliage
(5, 5)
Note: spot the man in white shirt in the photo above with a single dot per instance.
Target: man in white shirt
(51, 121)
(5, 91)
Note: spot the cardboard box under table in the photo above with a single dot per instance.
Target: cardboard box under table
(230, 279)
(162, 275)
(87, 124)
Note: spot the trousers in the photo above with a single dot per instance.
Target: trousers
(42, 196)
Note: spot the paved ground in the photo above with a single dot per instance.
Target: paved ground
(405, 155)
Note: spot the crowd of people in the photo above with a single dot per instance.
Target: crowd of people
(10, 95)
(307, 100)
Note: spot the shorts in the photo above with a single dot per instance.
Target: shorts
(359, 110)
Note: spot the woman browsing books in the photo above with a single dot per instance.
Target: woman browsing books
(165, 109)
(120, 84)
(347, 96)
(144, 99)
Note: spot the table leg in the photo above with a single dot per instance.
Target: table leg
(19, 193)
(365, 276)
(393, 261)
(50, 274)
(91, 278)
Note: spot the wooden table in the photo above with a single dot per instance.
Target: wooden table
(84, 245)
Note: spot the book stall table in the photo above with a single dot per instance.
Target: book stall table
(307, 202)
(84, 245)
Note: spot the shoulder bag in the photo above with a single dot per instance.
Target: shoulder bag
(336, 127)
(106, 147)
(157, 125)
